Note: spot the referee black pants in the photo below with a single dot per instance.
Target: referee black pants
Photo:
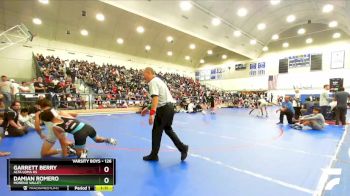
(163, 121)
(289, 115)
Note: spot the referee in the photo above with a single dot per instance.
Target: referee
(161, 115)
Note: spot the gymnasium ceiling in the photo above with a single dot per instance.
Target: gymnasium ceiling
(162, 18)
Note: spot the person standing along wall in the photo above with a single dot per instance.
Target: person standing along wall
(341, 109)
(324, 100)
(5, 90)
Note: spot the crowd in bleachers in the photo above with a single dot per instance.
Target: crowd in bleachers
(113, 85)
(128, 83)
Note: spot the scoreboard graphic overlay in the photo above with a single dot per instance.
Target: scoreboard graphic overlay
(61, 175)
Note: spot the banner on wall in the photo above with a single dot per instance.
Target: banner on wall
(297, 61)
(257, 69)
(337, 59)
(261, 68)
(219, 73)
(240, 67)
(213, 74)
(209, 74)
(253, 69)
(197, 75)
(272, 82)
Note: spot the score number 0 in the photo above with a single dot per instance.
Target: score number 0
(106, 170)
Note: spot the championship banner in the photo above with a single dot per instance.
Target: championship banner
(213, 74)
(303, 60)
(261, 68)
(253, 69)
(61, 174)
(219, 73)
(197, 75)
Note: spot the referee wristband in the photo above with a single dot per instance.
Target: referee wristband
(152, 112)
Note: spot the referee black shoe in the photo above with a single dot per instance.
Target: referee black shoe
(151, 158)
(184, 153)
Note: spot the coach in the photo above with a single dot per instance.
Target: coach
(161, 115)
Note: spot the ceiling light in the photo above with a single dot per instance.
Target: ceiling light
(185, 5)
(275, 2)
(301, 31)
(336, 35)
(242, 12)
(285, 45)
(120, 41)
(37, 21)
(100, 17)
(265, 49)
(275, 37)
(202, 61)
(187, 58)
(215, 21)
(44, 1)
(170, 53)
(290, 18)
(224, 56)
(327, 8)
(237, 33)
(252, 42)
(192, 46)
(140, 29)
(169, 39)
(333, 24)
(84, 32)
(261, 26)
(148, 47)
(210, 52)
(309, 40)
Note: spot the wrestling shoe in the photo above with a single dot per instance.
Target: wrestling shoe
(279, 123)
(71, 151)
(298, 127)
(151, 158)
(184, 153)
(111, 141)
(84, 154)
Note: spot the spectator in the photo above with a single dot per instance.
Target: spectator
(39, 86)
(341, 109)
(2, 154)
(297, 108)
(307, 106)
(314, 121)
(190, 107)
(31, 86)
(324, 100)
(11, 125)
(286, 110)
(14, 88)
(25, 119)
(24, 88)
(5, 90)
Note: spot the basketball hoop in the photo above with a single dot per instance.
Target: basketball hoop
(15, 35)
